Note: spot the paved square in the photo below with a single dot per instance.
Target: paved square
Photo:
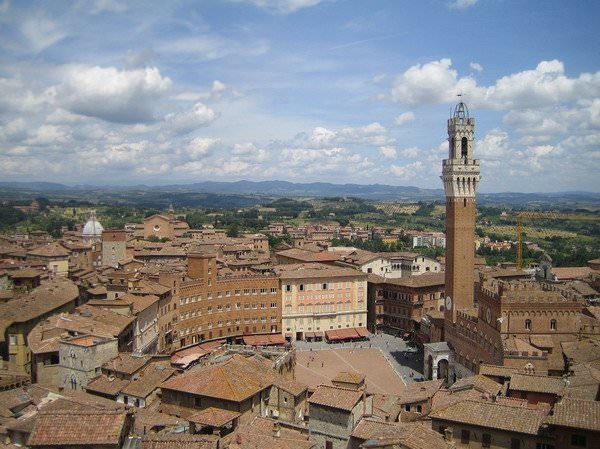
(320, 366)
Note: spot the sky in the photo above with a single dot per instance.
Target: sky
(112, 92)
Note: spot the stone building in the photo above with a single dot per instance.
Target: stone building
(114, 247)
(318, 297)
(164, 226)
(81, 358)
(335, 412)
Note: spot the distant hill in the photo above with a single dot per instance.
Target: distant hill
(244, 193)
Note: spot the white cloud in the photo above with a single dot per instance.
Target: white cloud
(118, 96)
(200, 147)
(476, 66)
(186, 122)
(407, 171)
(462, 4)
(494, 145)
(388, 152)
(108, 5)
(42, 33)
(404, 118)
(282, 6)
(411, 152)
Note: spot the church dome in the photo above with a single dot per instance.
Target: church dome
(92, 228)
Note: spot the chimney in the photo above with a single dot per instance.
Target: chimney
(276, 430)
(448, 434)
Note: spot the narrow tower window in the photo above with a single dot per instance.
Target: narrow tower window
(464, 144)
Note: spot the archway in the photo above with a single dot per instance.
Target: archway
(429, 370)
(442, 369)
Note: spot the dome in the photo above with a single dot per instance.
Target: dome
(92, 228)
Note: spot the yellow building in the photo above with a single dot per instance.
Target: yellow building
(20, 315)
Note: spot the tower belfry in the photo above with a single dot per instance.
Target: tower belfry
(460, 175)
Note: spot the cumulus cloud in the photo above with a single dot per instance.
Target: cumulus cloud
(388, 152)
(200, 147)
(407, 171)
(282, 6)
(108, 6)
(186, 122)
(118, 96)
(462, 4)
(476, 66)
(404, 118)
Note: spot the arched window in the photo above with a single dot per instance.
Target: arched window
(464, 145)
(528, 325)
(552, 325)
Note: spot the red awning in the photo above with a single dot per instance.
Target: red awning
(362, 331)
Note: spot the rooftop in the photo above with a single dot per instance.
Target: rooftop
(336, 397)
(492, 416)
(576, 414)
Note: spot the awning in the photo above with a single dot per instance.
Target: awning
(362, 331)
(264, 340)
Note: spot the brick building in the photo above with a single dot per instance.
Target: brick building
(211, 306)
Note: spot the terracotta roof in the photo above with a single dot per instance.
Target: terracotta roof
(537, 384)
(139, 302)
(316, 270)
(49, 250)
(407, 435)
(127, 363)
(444, 398)
(179, 441)
(78, 427)
(291, 386)
(146, 420)
(486, 369)
(423, 280)
(367, 429)
(478, 382)
(420, 391)
(234, 380)
(107, 385)
(258, 434)
(349, 377)
(576, 414)
(149, 379)
(42, 300)
(563, 273)
(303, 255)
(492, 415)
(581, 351)
(336, 397)
(214, 417)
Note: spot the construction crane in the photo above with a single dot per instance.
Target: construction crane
(548, 216)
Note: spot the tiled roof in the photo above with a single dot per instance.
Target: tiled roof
(407, 435)
(316, 270)
(139, 302)
(581, 351)
(78, 427)
(44, 299)
(179, 441)
(563, 273)
(49, 250)
(444, 398)
(423, 280)
(336, 397)
(107, 385)
(536, 384)
(349, 377)
(149, 379)
(303, 255)
(291, 386)
(496, 370)
(258, 434)
(234, 380)
(214, 417)
(126, 363)
(420, 391)
(576, 414)
(146, 419)
(478, 382)
(367, 429)
(492, 415)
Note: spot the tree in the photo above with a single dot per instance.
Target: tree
(233, 230)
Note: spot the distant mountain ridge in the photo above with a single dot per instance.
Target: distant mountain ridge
(315, 189)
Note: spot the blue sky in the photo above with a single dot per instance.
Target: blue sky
(115, 92)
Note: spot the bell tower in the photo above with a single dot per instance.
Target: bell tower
(460, 174)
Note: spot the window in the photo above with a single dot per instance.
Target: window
(288, 288)
(528, 325)
(328, 444)
(515, 443)
(465, 436)
(12, 339)
(419, 408)
(301, 287)
(324, 286)
(552, 325)
(578, 440)
(486, 440)
(407, 407)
